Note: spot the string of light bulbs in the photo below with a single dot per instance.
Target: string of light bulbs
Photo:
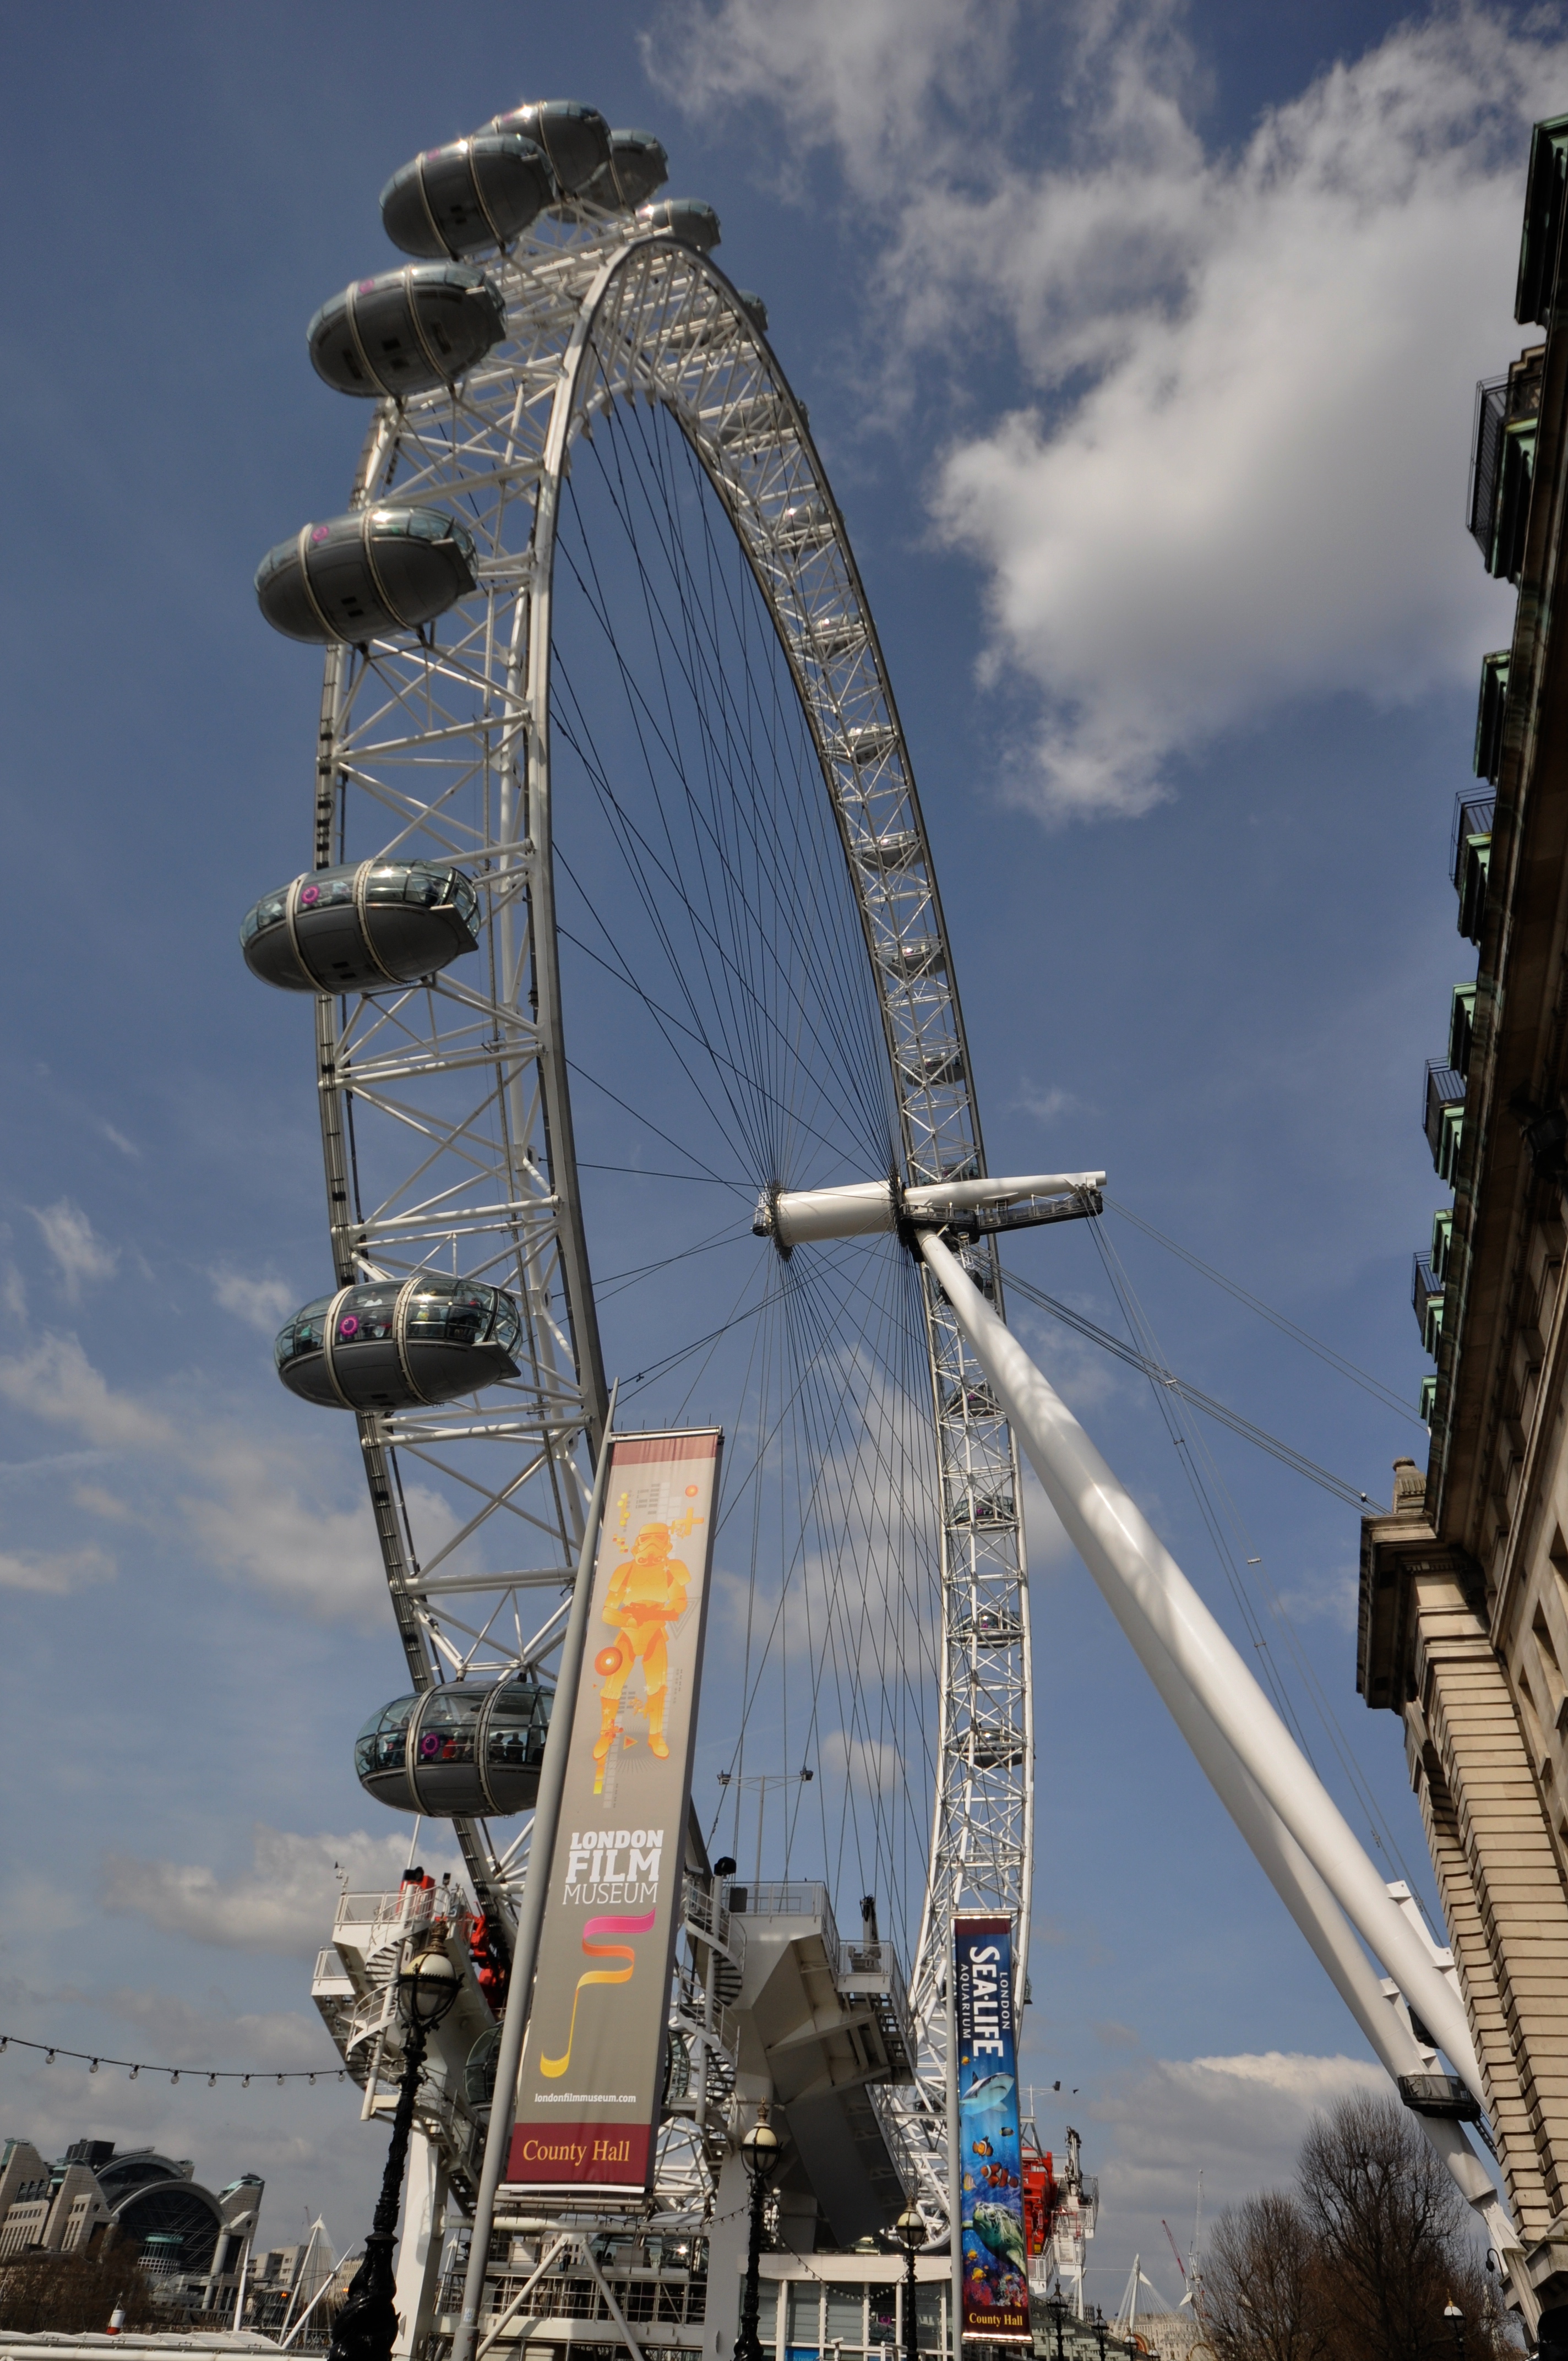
(211, 2075)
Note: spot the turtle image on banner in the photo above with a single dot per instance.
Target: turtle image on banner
(995, 2260)
(593, 2057)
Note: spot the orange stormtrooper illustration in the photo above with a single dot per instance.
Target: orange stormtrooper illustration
(647, 1592)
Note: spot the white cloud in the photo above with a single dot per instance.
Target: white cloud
(1240, 2120)
(1257, 497)
(1230, 475)
(872, 1766)
(1327, 1597)
(54, 1571)
(78, 1253)
(262, 1303)
(58, 1382)
(860, 76)
(286, 1900)
(1045, 1106)
(259, 1507)
(176, 2029)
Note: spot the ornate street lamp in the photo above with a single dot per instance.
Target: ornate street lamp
(367, 2325)
(1056, 2306)
(760, 2154)
(1456, 2320)
(910, 2231)
(1099, 2331)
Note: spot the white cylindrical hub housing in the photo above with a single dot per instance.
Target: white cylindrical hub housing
(793, 1218)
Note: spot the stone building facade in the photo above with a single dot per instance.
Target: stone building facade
(1463, 1608)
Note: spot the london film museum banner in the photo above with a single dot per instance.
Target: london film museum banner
(995, 2277)
(593, 2058)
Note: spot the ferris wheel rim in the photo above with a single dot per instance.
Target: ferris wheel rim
(565, 418)
(531, 673)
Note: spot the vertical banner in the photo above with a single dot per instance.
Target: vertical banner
(995, 2255)
(593, 2057)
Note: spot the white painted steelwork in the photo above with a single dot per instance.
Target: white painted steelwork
(1211, 1693)
(794, 1217)
(1187, 1655)
(445, 1112)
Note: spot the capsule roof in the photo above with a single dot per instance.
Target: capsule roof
(468, 197)
(406, 331)
(361, 575)
(686, 218)
(636, 166)
(576, 138)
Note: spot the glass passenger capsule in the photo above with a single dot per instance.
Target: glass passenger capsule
(756, 311)
(686, 218)
(397, 1344)
(374, 571)
(636, 166)
(576, 138)
(468, 197)
(361, 928)
(461, 1751)
(407, 330)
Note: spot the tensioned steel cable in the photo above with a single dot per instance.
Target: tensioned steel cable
(1340, 1486)
(1358, 1376)
(1205, 1477)
(723, 836)
(844, 944)
(710, 928)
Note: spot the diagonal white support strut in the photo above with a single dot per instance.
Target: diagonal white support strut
(1189, 1657)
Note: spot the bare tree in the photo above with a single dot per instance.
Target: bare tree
(1390, 2228)
(1263, 2298)
(74, 2293)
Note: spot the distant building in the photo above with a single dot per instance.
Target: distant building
(286, 2280)
(190, 2242)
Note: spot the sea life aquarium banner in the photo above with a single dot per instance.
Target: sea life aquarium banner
(991, 2177)
(593, 2058)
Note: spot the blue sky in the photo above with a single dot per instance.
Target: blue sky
(1140, 344)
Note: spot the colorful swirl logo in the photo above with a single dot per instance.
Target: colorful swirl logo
(556, 2067)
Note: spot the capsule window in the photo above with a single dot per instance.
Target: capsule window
(448, 1726)
(304, 1334)
(268, 912)
(321, 893)
(365, 1317)
(382, 1743)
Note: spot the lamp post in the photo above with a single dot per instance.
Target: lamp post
(1056, 2306)
(1456, 2320)
(367, 2325)
(1099, 2331)
(910, 2231)
(760, 2154)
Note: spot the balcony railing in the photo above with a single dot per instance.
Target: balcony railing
(1544, 191)
(1441, 1243)
(1473, 817)
(1502, 463)
(1461, 1026)
(1443, 1115)
(1490, 716)
(1426, 1299)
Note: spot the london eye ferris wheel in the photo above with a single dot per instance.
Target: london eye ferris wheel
(618, 916)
